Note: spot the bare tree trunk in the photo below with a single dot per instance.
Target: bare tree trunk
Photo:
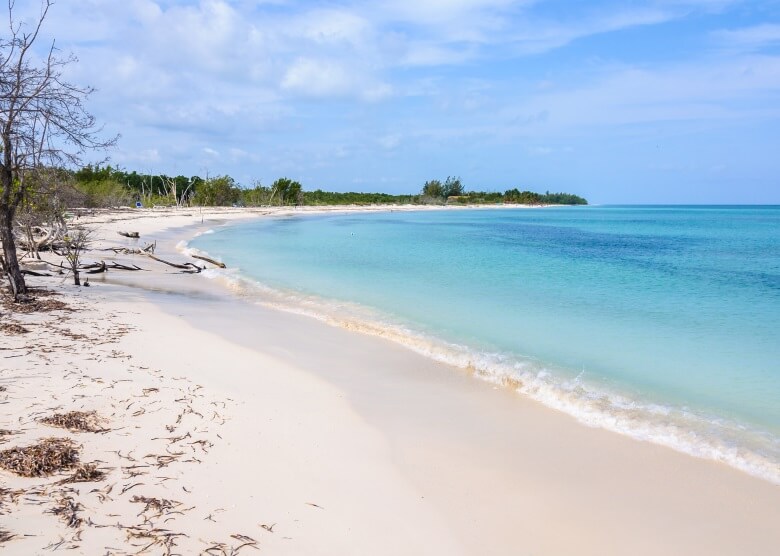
(10, 261)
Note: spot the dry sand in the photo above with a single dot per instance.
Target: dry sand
(231, 428)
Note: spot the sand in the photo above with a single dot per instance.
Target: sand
(231, 427)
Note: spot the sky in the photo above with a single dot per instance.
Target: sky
(645, 101)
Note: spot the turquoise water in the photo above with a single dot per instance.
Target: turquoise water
(658, 322)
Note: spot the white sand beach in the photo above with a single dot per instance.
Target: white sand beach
(227, 427)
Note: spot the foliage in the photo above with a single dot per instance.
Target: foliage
(433, 188)
(285, 191)
(320, 197)
(257, 196)
(149, 189)
(531, 198)
(452, 187)
(452, 191)
(102, 186)
(219, 192)
(104, 193)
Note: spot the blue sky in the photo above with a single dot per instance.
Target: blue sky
(623, 102)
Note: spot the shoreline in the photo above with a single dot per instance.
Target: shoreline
(448, 464)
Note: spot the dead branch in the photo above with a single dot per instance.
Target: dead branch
(33, 273)
(208, 260)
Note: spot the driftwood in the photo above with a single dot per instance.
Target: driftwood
(132, 235)
(118, 266)
(32, 244)
(97, 268)
(186, 267)
(33, 273)
(126, 251)
(212, 261)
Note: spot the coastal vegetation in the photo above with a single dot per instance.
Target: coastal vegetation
(105, 186)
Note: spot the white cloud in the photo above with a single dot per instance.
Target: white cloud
(536, 37)
(540, 151)
(732, 89)
(317, 78)
(432, 54)
(750, 38)
(333, 26)
(390, 141)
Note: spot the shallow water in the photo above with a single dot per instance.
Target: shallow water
(659, 322)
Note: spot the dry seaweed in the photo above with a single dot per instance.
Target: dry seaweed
(87, 473)
(5, 536)
(4, 433)
(76, 421)
(50, 455)
(159, 505)
(68, 510)
(163, 538)
(222, 549)
(13, 328)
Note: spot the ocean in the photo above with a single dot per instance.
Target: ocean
(659, 322)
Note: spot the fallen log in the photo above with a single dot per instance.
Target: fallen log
(132, 235)
(212, 261)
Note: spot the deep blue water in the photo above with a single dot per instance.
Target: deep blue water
(659, 322)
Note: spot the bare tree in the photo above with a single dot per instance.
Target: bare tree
(43, 122)
(76, 242)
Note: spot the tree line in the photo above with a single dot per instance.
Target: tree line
(452, 191)
(96, 186)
